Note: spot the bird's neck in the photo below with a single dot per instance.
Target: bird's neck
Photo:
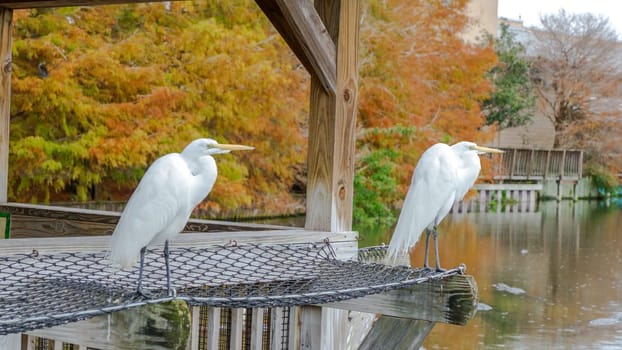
(204, 173)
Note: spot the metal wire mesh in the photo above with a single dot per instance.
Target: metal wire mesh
(39, 291)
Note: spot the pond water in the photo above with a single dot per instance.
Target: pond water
(550, 279)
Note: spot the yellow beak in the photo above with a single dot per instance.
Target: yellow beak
(229, 147)
(486, 149)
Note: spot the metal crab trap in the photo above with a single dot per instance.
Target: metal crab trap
(38, 291)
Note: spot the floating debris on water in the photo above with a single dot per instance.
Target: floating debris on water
(502, 287)
(483, 307)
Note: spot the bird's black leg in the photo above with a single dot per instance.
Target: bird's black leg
(438, 263)
(427, 245)
(139, 290)
(168, 268)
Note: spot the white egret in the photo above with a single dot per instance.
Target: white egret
(443, 176)
(163, 201)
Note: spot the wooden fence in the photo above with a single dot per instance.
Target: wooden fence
(533, 164)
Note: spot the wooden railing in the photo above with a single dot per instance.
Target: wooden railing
(533, 164)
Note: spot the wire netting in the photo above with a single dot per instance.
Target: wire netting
(38, 291)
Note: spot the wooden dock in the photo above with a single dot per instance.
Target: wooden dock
(324, 36)
(452, 300)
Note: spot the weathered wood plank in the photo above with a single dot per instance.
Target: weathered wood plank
(30, 220)
(450, 300)
(276, 323)
(396, 333)
(294, 329)
(303, 30)
(195, 328)
(344, 243)
(11, 341)
(257, 329)
(310, 328)
(332, 122)
(237, 327)
(213, 328)
(6, 24)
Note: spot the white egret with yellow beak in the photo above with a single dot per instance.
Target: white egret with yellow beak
(162, 203)
(443, 176)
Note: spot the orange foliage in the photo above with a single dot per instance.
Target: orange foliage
(420, 82)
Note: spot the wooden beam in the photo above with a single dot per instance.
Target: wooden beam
(451, 300)
(396, 333)
(6, 24)
(31, 220)
(303, 30)
(332, 123)
(345, 244)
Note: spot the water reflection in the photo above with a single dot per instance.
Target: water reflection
(552, 278)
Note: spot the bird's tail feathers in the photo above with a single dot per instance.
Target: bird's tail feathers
(406, 234)
(125, 251)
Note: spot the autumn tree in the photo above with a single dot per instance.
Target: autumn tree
(420, 83)
(578, 71)
(100, 92)
(512, 103)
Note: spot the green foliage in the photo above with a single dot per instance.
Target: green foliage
(602, 178)
(513, 100)
(375, 187)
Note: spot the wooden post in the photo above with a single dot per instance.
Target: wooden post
(546, 167)
(237, 326)
(11, 341)
(580, 170)
(276, 325)
(213, 328)
(294, 328)
(195, 330)
(562, 165)
(513, 163)
(332, 122)
(6, 16)
(257, 329)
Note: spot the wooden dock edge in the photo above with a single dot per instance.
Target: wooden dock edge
(32, 220)
(451, 300)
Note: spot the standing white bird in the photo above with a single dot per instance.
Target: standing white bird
(443, 176)
(163, 201)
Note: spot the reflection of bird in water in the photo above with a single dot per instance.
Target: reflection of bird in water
(163, 201)
(443, 176)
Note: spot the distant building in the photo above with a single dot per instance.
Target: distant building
(483, 14)
(540, 132)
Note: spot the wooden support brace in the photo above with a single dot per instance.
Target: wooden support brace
(396, 333)
(6, 24)
(303, 30)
